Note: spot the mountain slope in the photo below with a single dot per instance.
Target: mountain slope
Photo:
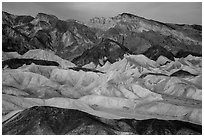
(139, 32)
(66, 38)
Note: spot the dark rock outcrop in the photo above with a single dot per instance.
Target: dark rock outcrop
(106, 50)
(183, 54)
(182, 73)
(16, 63)
(46, 120)
(154, 52)
(85, 69)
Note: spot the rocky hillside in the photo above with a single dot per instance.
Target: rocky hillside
(77, 42)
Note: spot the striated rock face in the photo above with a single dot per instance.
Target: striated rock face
(72, 39)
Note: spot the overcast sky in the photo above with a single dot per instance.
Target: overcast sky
(181, 13)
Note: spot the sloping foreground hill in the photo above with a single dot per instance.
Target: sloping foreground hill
(45, 120)
(134, 95)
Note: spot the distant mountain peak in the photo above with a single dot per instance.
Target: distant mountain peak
(51, 19)
(46, 16)
(127, 14)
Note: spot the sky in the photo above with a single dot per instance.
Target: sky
(167, 12)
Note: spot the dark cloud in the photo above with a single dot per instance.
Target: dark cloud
(177, 12)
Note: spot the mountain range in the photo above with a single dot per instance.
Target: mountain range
(100, 39)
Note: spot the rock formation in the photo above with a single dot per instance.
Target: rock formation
(120, 75)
